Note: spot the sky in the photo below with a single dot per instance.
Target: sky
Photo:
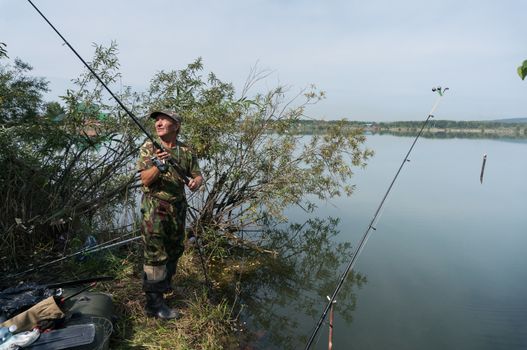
(376, 60)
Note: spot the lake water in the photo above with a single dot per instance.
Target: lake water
(446, 267)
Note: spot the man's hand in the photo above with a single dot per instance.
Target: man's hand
(149, 175)
(159, 161)
(162, 155)
(194, 183)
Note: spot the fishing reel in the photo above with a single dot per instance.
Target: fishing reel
(160, 164)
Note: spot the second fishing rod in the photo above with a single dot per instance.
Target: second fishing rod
(440, 91)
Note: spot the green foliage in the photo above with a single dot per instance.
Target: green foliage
(62, 165)
(79, 155)
(20, 94)
(522, 70)
(255, 164)
(69, 171)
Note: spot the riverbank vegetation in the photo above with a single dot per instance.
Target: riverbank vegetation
(69, 180)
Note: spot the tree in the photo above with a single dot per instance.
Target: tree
(80, 155)
(255, 165)
(20, 94)
(522, 70)
(66, 169)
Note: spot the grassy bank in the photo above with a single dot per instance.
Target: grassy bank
(208, 318)
(208, 321)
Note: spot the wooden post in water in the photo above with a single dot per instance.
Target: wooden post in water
(482, 168)
(330, 344)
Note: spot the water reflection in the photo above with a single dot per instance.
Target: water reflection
(519, 136)
(446, 268)
(294, 284)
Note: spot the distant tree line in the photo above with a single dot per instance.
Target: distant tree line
(518, 125)
(453, 124)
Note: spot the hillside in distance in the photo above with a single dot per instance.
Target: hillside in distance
(511, 120)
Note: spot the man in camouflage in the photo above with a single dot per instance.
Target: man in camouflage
(164, 208)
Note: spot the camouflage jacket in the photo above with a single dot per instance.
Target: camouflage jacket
(168, 186)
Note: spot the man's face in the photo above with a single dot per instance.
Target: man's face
(165, 126)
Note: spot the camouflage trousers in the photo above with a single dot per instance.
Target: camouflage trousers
(163, 231)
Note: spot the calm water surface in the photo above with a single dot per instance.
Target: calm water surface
(447, 265)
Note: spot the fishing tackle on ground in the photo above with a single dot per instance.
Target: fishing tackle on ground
(6, 332)
(25, 295)
(93, 249)
(366, 234)
(20, 340)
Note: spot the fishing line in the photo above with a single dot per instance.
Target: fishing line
(366, 234)
(242, 266)
(238, 289)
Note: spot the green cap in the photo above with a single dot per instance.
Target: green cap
(171, 114)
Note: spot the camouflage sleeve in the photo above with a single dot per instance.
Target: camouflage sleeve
(145, 153)
(191, 165)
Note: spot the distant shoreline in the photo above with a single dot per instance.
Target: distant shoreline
(436, 128)
(510, 132)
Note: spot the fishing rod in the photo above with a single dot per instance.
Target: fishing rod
(93, 249)
(179, 170)
(366, 234)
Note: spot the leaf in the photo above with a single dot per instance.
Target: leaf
(522, 70)
(58, 118)
(102, 116)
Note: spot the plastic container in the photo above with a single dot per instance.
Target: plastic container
(6, 333)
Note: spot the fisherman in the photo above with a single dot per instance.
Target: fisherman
(164, 208)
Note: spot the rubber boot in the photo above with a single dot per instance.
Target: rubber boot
(156, 307)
